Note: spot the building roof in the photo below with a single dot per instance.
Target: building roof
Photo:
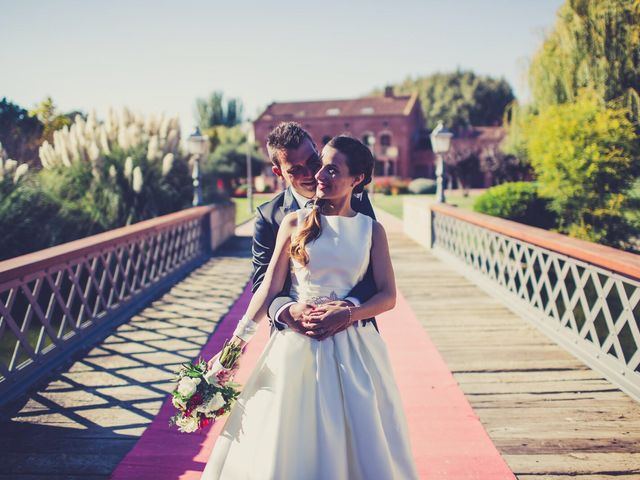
(358, 107)
(481, 134)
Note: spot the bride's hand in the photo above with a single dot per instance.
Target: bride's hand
(330, 318)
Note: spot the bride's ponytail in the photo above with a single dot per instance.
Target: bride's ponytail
(311, 229)
(360, 161)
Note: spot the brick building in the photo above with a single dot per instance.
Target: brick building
(392, 125)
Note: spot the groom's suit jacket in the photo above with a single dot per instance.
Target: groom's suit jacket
(268, 219)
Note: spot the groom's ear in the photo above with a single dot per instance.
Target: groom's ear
(276, 170)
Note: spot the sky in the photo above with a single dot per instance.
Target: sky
(157, 56)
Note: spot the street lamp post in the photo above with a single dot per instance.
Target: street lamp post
(251, 138)
(197, 145)
(440, 142)
(392, 155)
(371, 141)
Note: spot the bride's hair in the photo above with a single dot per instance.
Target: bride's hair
(359, 161)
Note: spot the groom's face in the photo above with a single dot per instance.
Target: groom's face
(298, 168)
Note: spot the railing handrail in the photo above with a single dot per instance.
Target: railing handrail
(610, 258)
(31, 262)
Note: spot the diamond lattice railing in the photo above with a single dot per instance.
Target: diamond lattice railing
(45, 311)
(592, 309)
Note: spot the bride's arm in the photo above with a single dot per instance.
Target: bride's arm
(385, 297)
(275, 276)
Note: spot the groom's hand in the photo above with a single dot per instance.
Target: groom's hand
(328, 319)
(293, 316)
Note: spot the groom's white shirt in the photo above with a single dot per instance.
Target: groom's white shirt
(302, 201)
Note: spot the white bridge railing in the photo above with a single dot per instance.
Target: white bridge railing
(584, 296)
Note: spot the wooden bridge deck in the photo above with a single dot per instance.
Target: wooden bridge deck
(548, 414)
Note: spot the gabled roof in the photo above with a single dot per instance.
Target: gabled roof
(482, 134)
(358, 107)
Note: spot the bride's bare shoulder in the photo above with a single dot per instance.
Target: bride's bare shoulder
(378, 233)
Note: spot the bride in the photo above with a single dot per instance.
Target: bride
(327, 409)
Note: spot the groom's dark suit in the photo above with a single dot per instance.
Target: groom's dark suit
(268, 219)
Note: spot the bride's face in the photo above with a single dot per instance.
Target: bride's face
(334, 180)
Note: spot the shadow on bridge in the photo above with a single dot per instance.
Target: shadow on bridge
(90, 414)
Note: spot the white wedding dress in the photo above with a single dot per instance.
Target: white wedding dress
(320, 409)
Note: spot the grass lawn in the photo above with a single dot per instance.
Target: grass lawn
(242, 206)
(393, 203)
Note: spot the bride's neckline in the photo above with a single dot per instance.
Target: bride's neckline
(340, 216)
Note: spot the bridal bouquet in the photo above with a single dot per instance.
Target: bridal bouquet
(201, 394)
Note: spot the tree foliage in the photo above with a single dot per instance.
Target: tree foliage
(595, 44)
(19, 132)
(51, 119)
(228, 162)
(460, 99)
(214, 111)
(585, 157)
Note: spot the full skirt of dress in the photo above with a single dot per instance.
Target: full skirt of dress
(317, 410)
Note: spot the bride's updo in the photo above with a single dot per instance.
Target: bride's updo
(359, 161)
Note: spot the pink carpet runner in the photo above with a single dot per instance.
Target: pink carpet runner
(447, 438)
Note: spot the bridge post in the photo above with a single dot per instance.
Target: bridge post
(418, 220)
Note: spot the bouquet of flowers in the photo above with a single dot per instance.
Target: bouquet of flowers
(202, 394)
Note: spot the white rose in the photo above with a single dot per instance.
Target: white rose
(216, 402)
(187, 386)
(188, 424)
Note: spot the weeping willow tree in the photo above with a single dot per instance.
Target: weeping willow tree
(593, 51)
(595, 44)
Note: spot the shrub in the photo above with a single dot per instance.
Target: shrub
(32, 219)
(96, 177)
(240, 191)
(517, 201)
(399, 186)
(585, 158)
(422, 186)
(382, 185)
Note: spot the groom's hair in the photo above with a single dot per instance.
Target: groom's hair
(286, 136)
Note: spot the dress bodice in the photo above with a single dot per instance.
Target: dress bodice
(338, 258)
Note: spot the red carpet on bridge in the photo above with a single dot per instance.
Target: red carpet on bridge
(447, 438)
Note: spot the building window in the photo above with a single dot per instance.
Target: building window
(333, 112)
(366, 110)
(385, 140)
(368, 138)
(326, 139)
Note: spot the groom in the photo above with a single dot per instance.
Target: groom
(295, 159)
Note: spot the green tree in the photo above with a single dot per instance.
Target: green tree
(47, 112)
(214, 112)
(460, 99)
(595, 44)
(19, 133)
(585, 157)
(228, 162)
